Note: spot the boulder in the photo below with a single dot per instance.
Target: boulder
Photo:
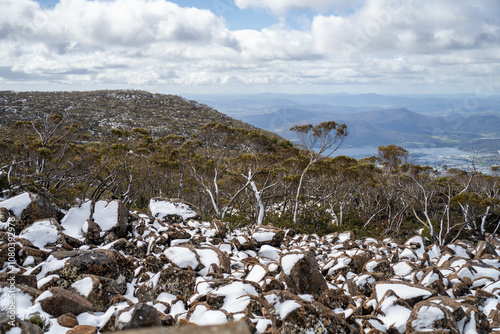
(172, 210)
(111, 217)
(292, 314)
(240, 327)
(427, 316)
(143, 315)
(174, 280)
(43, 233)
(30, 207)
(301, 273)
(268, 235)
(98, 290)
(99, 262)
(28, 280)
(200, 259)
(59, 301)
(411, 293)
(335, 298)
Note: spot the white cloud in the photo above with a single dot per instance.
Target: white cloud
(156, 42)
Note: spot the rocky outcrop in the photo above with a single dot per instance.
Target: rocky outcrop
(179, 273)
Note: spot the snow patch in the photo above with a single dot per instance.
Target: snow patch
(161, 208)
(17, 203)
(74, 220)
(83, 286)
(40, 233)
(288, 261)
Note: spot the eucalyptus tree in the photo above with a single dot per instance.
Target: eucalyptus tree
(326, 138)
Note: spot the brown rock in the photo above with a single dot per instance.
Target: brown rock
(485, 249)
(275, 241)
(219, 227)
(129, 248)
(239, 327)
(34, 293)
(427, 316)
(67, 320)
(100, 262)
(178, 234)
(144, 316)
(102, 292)
(305, 277)
(39, 208)
(479, 321)
(271, 283)
(173, 280)
(26, 327)
(83, 329)
(306, 317)
(93, 234)
(359, 260)
(63, 301)
(28, 280)
(335, 298)
(460, 289)
(177, 202)
(399, 285)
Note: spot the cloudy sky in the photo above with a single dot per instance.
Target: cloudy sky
(229, 46)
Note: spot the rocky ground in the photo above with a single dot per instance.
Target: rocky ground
(98, 268)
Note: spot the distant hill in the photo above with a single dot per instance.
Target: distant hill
(399, 126)
(96, 112)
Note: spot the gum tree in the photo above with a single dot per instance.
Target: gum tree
(326, 137)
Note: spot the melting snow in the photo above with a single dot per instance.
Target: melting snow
(263, 236)
(182, 257)
(106, 214)
(40, 233)
(161, 208)
(427, 315)
(74, 220)
(402, 290)
(83, 286)
(288, 261)
(17, 203)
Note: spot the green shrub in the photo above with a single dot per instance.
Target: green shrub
(38, 320)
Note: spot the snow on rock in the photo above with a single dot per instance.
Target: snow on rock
(403, 290)
(288, 261)
(74, 220)
(173, 266)
(17, 203)
(83, 286)
(161, 208)
(41, 233)
(269, 252)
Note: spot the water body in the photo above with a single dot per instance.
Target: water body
(437, 152)
(433, 156)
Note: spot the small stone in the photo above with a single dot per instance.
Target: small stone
(68, 320)
(83, 329)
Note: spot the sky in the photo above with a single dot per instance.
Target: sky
(252, 46)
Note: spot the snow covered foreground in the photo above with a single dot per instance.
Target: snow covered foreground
(97, 268)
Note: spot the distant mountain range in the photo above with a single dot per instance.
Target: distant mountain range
(374, 120)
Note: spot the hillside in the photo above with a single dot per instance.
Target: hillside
(96, 112)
